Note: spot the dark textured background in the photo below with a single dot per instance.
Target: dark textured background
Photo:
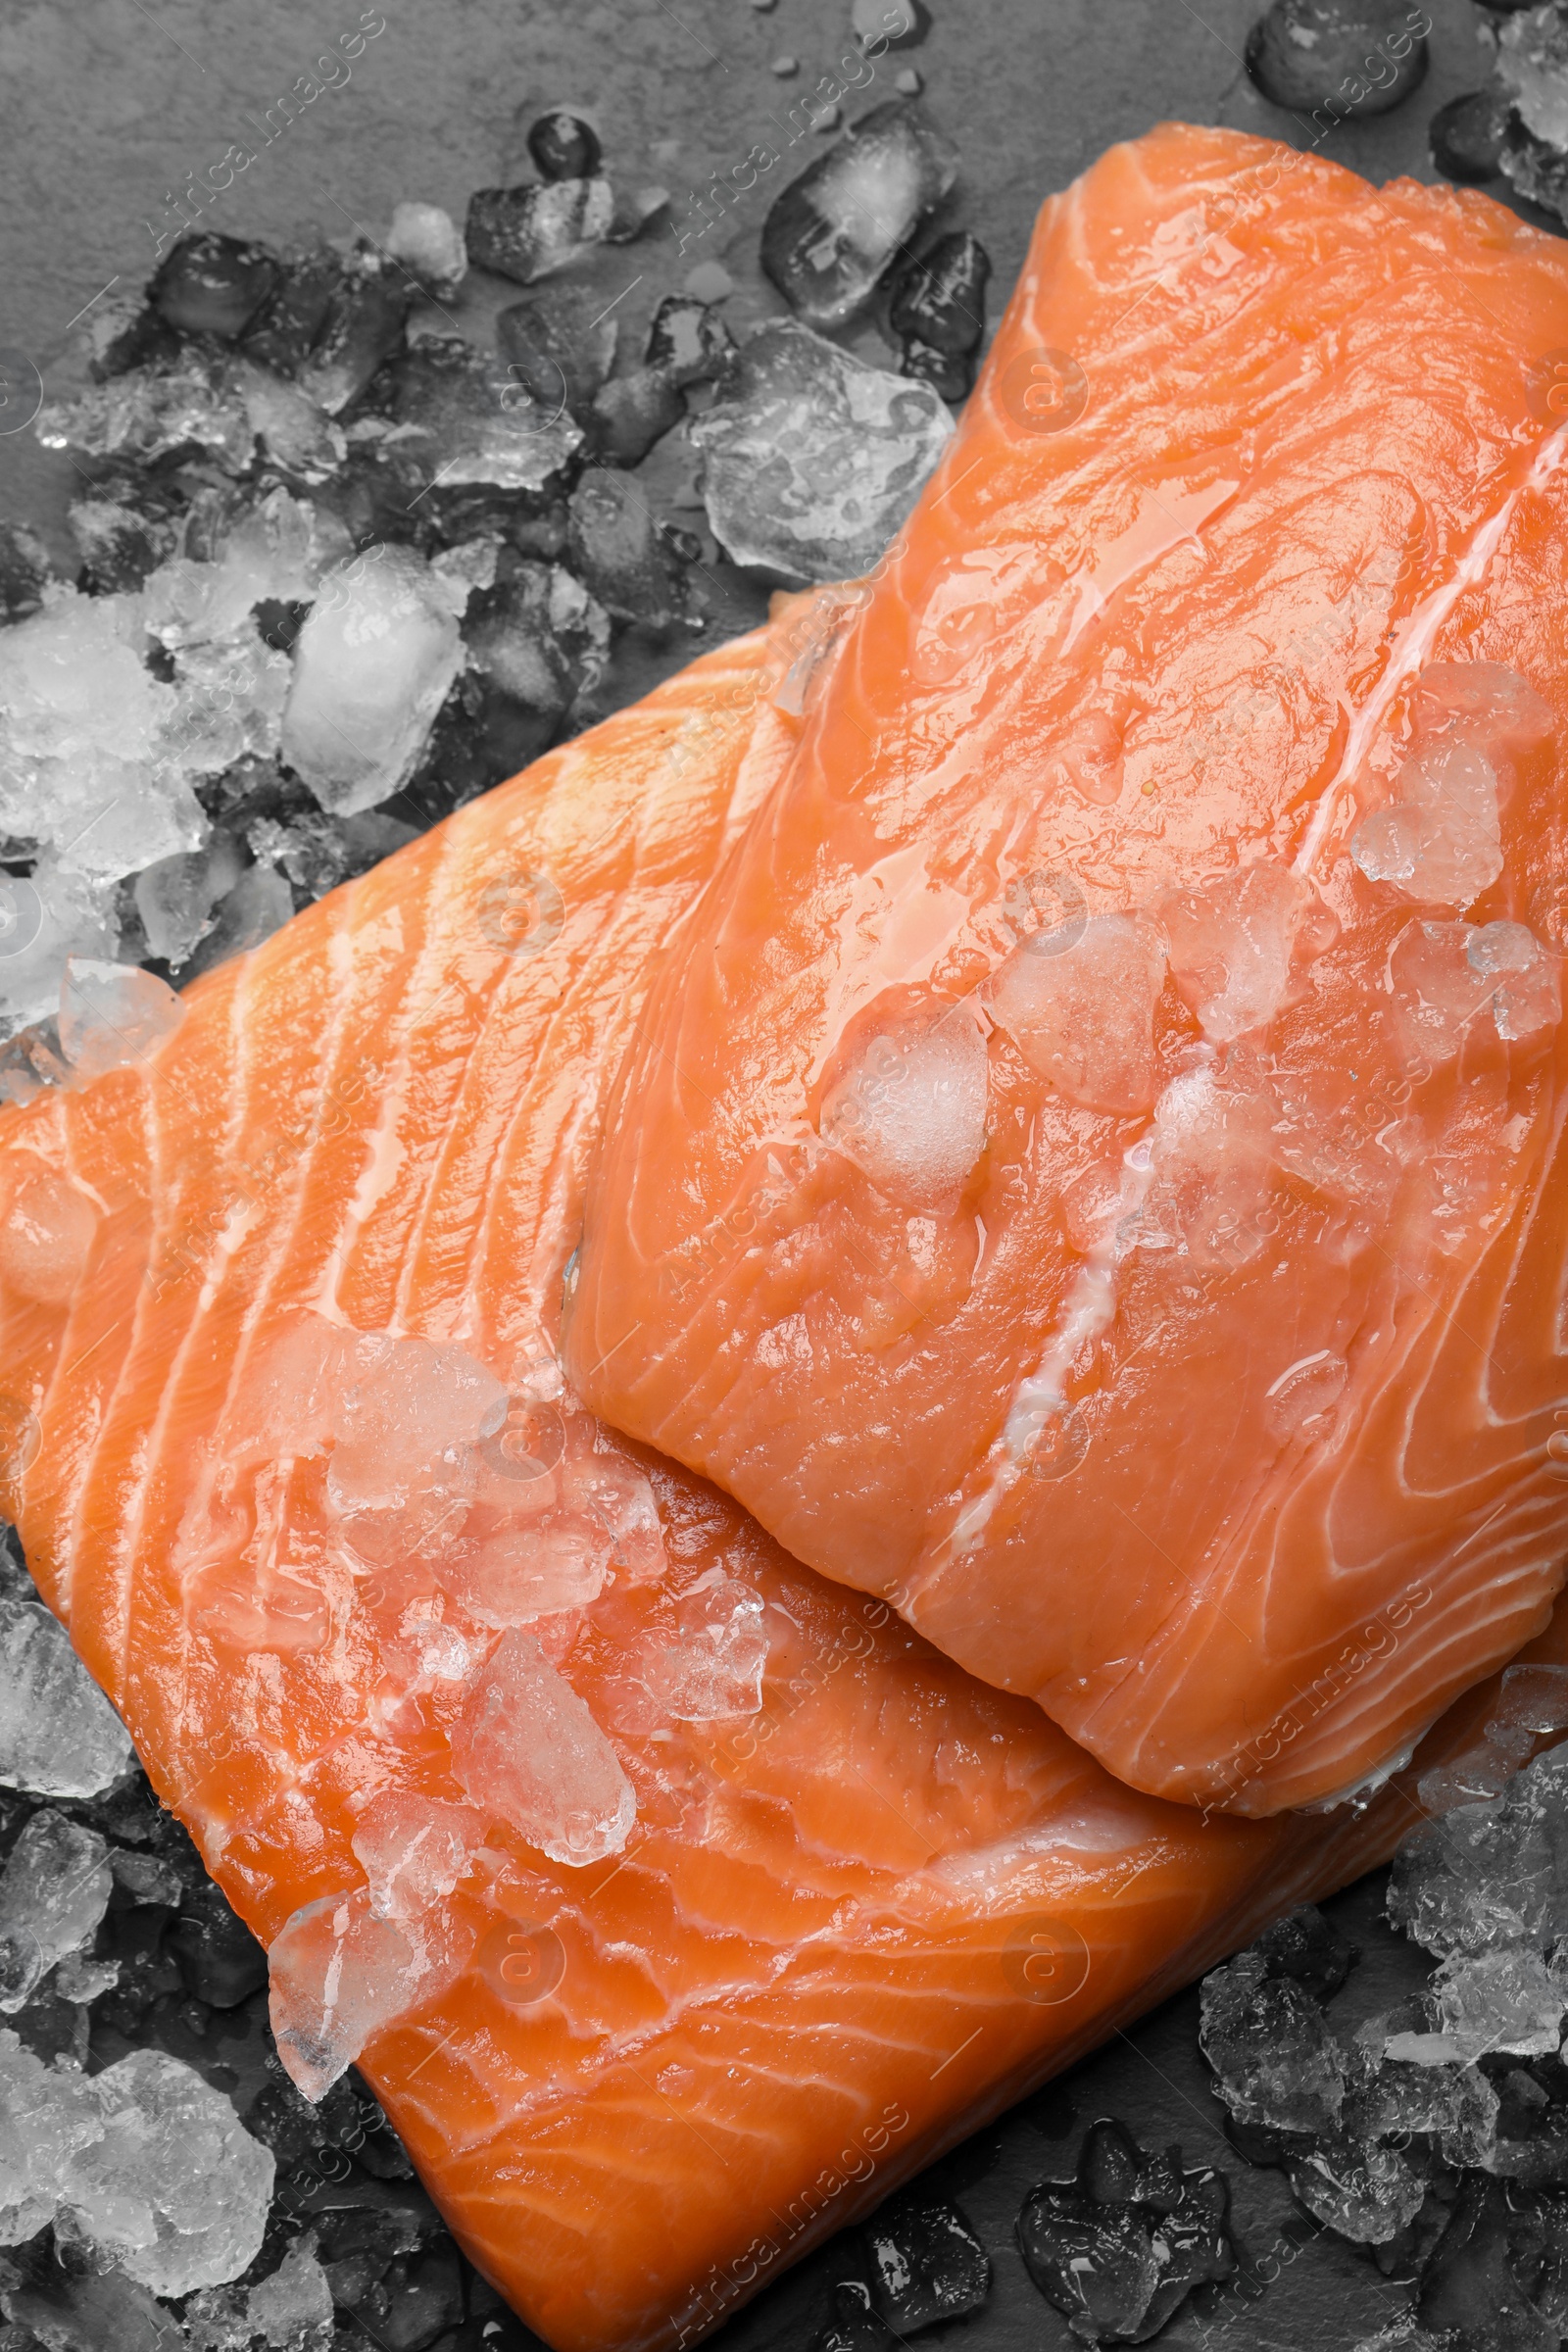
(105, 104)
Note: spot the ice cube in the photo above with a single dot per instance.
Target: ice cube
(558, 351)
(1499, 2000)
(813, 460)
(530, 232)
(112, 1015)
(463, 421)
(213, 285)
(853, 2326)
(832, 235)
(1532, 1699)
(512, 1575)
(940, 299)
(688, 340)
(926, 2264)
(46, 2115)
(258, 905)
(428, 242)
(45, 1240)
(621, 556)
(630, 412)
(367, 307)
(176, 896)
(1522, 978)
(59, 1735)
(53, 1890)
(1214, 1153)
(1078, 1002)
(124, 529)
(1441, 840)
(175, 2191)
(910, 1108)
(1230, 945)
(408, 1402)
(527, 1749)
(540, 643)
(1364, 2191)
(280, 335)
(372, 668)
(339, 1974)
(713, 1661)
(415, 1850)
(1278, 2064)
(292, 2310)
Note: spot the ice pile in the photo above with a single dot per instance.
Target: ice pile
(1437, 2134)
(142, 2164)
(910, 1108)
(812, 458)
(832, 234)
(1121, 2246)
(59, 1735)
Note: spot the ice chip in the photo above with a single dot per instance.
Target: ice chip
(910, 1108)
(146, 412)
(112, 1015)
(339, 1974)
(1230, 945)
(926, 2264)
(712, 1661)
(463, 421)
(175, 2191)
(527, 1749)
(1489, 1873)
(408, 1402)
(1440, 841)
(372, 668)
(258, 905)
(510, 1575)
(415, 1850)
(59, 1735)
(1276, 2061)
(1532, 1699)
(53, 1890)
(176, 896)
(1212, 1157)
(833, 233)
(56, 914)
(1501, 2000)
(1120, 2248)
(45, 1239)
(813, 460)
(1079, 1005)
(531, 231)
(1439, 992)
(46, 2115)
(292, 2309)
(1363, 2190)
(1524, 996)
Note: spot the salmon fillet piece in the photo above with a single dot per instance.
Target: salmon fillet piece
(1093, 1172)
(679, 1902)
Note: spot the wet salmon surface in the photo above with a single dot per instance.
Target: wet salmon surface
(759, 1441)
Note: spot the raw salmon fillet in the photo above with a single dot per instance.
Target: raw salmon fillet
(1093, 1172)
(680, 1903)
